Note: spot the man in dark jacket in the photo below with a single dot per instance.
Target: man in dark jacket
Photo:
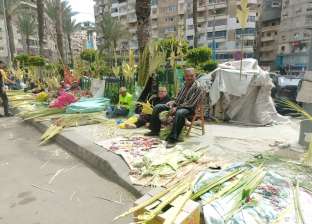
(161, 98)
(184, 106)
(3, 94)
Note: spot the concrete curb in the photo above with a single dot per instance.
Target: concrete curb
(107, 163)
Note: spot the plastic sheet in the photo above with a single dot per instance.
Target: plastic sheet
(88, 105)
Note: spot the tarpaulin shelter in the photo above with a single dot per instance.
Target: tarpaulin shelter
(244, 97)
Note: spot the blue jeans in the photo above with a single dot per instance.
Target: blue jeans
(114, 111)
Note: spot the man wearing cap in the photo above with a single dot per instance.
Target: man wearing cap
(124, 105)
(184, 106)
(3, 94)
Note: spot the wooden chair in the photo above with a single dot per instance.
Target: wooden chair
(199, 114)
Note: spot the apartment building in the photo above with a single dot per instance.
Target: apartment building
(269, 26)
(50, 49)
(295, 36)
(216, 23)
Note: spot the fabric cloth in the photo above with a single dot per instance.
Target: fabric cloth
(126, 101)
(246, 99)
(188, 98)
(63, 100)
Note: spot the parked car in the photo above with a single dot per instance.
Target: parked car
(285, 87)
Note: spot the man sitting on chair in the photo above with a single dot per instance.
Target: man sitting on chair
(184, 106)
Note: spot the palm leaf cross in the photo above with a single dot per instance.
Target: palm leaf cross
(242, 13)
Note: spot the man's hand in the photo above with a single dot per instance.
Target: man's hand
(173, 110)
(170, 104)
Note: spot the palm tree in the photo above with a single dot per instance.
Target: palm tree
(112, 31)
(195, 23)
(10, 7)
(143, 12)
(27, 26)
(55, 12)
(40, 19)
(70, 26)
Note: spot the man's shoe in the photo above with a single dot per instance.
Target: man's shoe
(151, 134)
(9, 115)
(171, 144)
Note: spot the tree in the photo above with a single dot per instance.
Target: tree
(197, 56)
(55, 12)
(70, 26)
(88, 55)
(112, 31)
(195, 24)
(27, 26)
(10, 7)
(143, 12)
(40, 19)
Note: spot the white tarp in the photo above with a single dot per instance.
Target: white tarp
(246, 98)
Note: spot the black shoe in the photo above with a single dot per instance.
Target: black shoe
(9, 115)
(171, 144)
(151, 134)
(1, 115)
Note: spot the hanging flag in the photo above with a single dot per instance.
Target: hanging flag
(242, 13)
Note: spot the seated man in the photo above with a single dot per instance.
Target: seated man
(184, 106)
(124, 105)
(161, 98)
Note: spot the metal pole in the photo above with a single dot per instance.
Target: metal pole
(6, 31)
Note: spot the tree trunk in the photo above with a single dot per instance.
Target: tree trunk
(11, 35)
(195, 23)
(143, 12)
(28, 44)
(70, 50)
(40, 16)
(59, 30)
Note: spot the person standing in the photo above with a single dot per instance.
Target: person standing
(3, 94)
(184, 106)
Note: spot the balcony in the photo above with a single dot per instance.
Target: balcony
(270, 28)
(201, 19)
(267, 59)
(217, 5)
(267, 48)
(267, 39)
(132, 19)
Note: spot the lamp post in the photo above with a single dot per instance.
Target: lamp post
(6, 31)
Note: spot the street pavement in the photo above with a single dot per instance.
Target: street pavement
(46, 185)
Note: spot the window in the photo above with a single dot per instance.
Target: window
(283, 48)
(218, 34)
(251, 18)
(154, 2)
(219, 22)
(169, 29)
(189, 37)
(217, 45)
(114, 10)
(1, 49)
(169, 19)
(172, 8)
(248, 31)
(276, 4)
(190, 27)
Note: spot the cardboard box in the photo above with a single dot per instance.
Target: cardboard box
(190, 214)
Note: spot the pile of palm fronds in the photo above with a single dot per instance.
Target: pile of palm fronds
(246, 180)
(70, 120)
(300, 111)
(39, 113)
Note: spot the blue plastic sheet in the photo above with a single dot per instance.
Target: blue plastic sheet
(88, 105)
